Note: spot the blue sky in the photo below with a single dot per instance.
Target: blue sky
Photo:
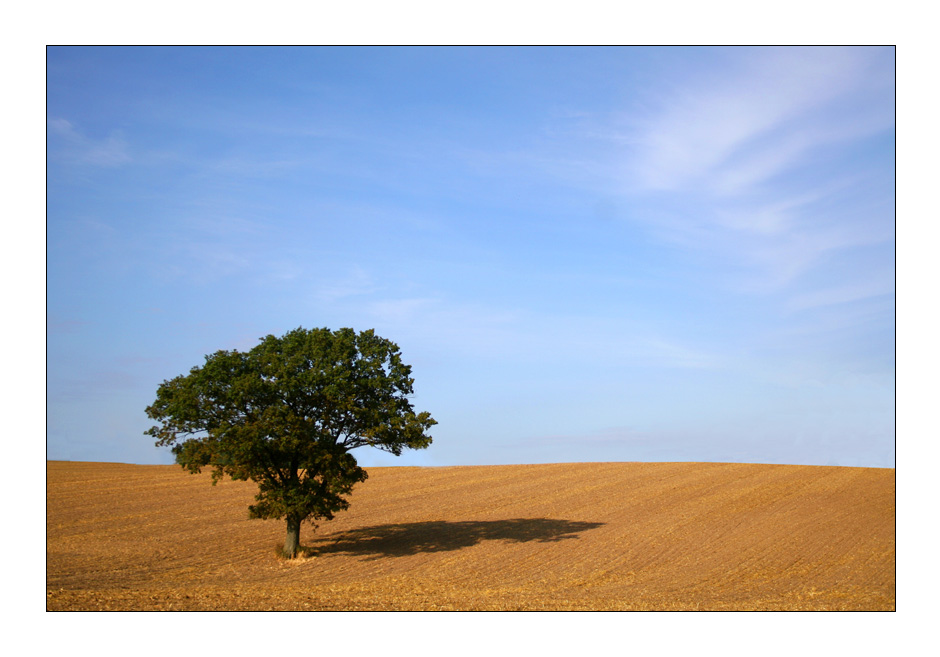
(653, 254)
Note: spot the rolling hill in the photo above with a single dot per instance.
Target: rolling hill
(595, 536)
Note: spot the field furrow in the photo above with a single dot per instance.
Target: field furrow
(559, 536)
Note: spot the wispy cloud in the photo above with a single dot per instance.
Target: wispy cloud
(404, 310)
(239, 168)
(454, 327)
(728, 133)
(526, 337)
(68, 143)
(605, 436)
(629, 248)
(870, 288)
(207, 245)
(743, 159)
(357, 282)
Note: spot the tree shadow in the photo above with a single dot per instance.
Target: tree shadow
(404, 539)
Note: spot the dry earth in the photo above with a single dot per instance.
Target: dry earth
(596, 536)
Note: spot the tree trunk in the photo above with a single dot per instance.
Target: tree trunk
(292, 543)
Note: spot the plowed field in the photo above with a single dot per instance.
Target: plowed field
(565, 536)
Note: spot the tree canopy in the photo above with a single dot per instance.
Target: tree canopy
(286, 415)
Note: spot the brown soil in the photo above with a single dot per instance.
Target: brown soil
(565, 536)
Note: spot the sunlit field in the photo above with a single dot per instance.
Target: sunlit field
(590, 536)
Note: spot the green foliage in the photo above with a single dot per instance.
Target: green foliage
(286, 413)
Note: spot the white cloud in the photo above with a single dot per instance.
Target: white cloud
(716, 149)
(519, 336)
(669, 353)
(357, 282)
(779, 262)
(606, 436)
(402, 310)
(240, 167)
(69, 144)
(693, 139)
(747, 162)
(843, 294)
(766, 218)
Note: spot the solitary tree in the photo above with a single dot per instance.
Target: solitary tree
(286, 414)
